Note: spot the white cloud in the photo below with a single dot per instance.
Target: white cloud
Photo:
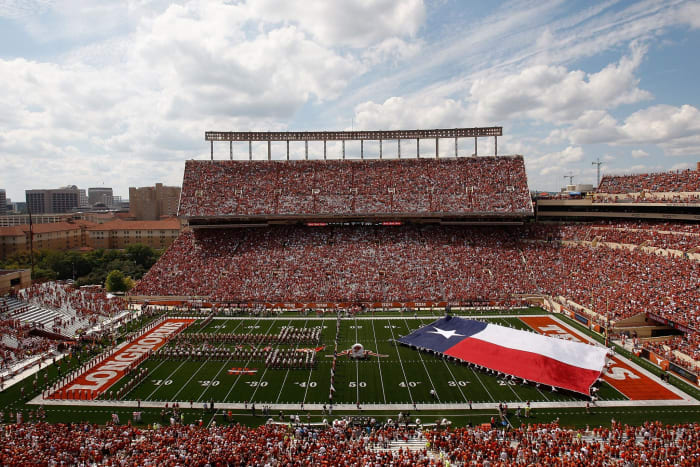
(401, 113)
(554, 94)
(555, 162)
(676, 130)
(348, 23)
(690, 14)
(639, 153)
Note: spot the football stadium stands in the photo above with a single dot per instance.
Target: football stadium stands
(419, 263)
(491, 185)
(676, 187)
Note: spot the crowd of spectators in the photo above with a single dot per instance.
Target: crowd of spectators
(676, 236)
(419, 263)
(17, 344)
(688, 344)
(344, 443)
(336, 187)
(645, 197)
(679, 181)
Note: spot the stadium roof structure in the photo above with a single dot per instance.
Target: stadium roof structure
(371, 135)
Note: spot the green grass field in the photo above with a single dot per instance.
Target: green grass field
(405, 376)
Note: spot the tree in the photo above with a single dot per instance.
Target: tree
(116, 281)
(142, 255)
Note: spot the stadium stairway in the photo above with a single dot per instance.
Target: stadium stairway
(35, 314)
(413, 444)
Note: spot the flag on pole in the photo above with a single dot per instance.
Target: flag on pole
(556, 362)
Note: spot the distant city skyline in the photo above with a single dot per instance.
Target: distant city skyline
(119, 94)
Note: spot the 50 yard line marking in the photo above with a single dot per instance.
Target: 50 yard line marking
(357, 366)
(379, 362)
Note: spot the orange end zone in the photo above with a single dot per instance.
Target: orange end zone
(630, 382)
(100, 376)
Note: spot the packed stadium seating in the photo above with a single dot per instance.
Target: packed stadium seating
(494, 185)
(675, 236)
(681, 186)
(688, 344)
(411, 263)
(349, 444)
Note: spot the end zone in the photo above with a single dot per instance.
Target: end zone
(629, 379)
(97, 376)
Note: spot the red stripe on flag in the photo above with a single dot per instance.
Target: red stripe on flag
(528, 365)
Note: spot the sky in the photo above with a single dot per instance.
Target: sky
(120, 93)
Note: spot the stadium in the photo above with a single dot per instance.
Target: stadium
(407, 310)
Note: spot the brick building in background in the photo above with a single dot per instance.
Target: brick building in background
(153, 203)
(121, 233)
(54, 236)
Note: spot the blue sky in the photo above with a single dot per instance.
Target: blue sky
(120, 93)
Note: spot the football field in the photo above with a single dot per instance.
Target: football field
(397, 376)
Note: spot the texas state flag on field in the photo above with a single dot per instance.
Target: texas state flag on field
(560, 363)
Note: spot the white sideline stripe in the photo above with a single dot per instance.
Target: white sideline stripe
(573, 353)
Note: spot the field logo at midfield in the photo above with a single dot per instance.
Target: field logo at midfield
(99, 378)
(627, 380)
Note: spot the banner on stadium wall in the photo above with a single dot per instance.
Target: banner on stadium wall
(679, 370)
(657, 360)
(580, 318)
(566, 311)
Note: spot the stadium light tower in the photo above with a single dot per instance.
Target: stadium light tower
(598, 163)
(570, 177)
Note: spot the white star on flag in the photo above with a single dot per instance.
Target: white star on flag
(444, 333)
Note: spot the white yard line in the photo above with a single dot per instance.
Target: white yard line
(246, 364)
(284, 381)
(255, 391)
(357, 367)
(379, 361)
(405, 379)
(482, 384)
(220, 369)
(420, 355)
